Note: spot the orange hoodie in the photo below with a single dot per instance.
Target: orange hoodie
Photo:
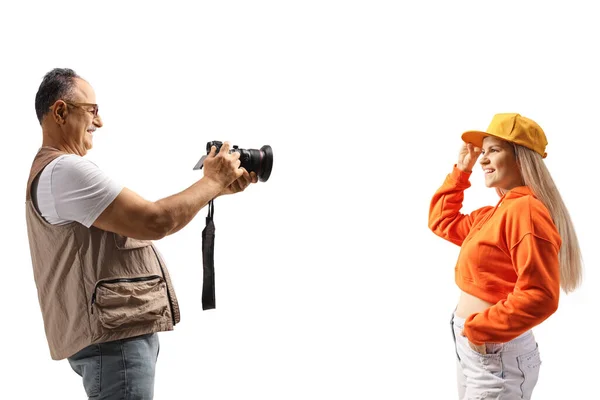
(508, 256)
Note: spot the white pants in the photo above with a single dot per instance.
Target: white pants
(508, 371)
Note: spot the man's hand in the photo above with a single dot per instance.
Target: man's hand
(467, 157)
(223, 168)
(240, 183)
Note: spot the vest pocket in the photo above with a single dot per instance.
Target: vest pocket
(127, 243)
(123, 303)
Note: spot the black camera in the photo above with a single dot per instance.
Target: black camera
(258, 161)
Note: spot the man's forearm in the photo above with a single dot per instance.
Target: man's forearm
(179, 209)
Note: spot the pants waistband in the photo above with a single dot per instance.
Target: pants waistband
(514, 343)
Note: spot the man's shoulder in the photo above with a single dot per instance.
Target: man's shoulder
(73, 173)
(71, 164)
(73, 160)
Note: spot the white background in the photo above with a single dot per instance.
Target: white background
(329, 283)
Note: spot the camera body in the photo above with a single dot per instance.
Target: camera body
(258, 161)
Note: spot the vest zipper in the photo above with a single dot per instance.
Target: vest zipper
(139, 279)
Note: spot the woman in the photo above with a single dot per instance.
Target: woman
(514, 257)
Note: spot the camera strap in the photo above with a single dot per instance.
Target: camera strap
(208, 261)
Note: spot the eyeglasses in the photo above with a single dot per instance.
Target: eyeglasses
(93, 111)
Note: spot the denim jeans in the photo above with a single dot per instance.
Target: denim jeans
(508, 371)
(118, 370)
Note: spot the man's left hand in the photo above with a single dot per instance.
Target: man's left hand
(241, 183)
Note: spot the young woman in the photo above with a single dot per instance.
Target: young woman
(514, 257)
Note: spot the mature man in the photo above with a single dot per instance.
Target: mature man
(104, 290)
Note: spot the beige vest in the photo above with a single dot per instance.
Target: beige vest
(95, 286)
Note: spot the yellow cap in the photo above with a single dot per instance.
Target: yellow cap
(513, 128)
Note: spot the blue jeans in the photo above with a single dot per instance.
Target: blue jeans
(118, 370)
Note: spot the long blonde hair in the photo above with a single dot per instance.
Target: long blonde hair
(536, 176)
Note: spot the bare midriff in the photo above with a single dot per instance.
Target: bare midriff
(469, 304)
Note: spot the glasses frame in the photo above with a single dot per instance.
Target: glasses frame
(94, 111)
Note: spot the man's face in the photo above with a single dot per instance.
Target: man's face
(80, 121)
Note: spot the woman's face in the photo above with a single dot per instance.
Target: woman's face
(499, 164)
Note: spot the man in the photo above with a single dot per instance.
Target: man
(104, 290)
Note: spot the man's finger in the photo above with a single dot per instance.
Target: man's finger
(225, 148)
(238, 172)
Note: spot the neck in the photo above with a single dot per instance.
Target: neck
(50, 139)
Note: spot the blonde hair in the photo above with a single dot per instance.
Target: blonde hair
(536, 176)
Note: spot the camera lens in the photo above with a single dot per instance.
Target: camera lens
(267, 163)
(259, 161)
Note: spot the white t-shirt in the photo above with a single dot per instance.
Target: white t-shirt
(72, 188)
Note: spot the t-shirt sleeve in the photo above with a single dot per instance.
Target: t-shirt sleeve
(81, 191)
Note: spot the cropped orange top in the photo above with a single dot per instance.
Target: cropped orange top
(508, 256)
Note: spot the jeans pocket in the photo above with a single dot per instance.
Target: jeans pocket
(529, 364)
(490, 363)
(477, 363)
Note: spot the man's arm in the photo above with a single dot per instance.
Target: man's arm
(131, 215)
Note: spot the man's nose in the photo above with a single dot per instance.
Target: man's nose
(98, 121)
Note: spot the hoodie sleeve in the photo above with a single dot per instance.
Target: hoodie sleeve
(445, 219)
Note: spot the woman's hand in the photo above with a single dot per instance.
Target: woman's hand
(478, 348)
(467, 157)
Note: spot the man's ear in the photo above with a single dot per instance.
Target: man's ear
(59, 112)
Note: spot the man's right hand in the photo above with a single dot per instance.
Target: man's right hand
(222, 168)
(467, 157)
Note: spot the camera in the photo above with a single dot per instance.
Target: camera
(258, 161)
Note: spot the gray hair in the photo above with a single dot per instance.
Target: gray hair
(57, 84)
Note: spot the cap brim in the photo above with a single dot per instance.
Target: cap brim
(474, 137)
